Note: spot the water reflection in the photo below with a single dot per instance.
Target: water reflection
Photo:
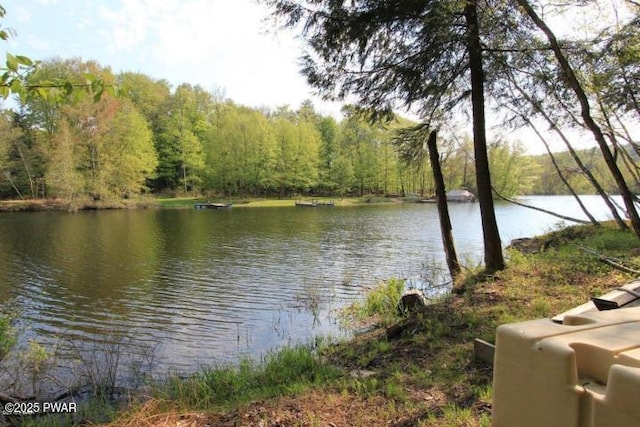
(199, 286)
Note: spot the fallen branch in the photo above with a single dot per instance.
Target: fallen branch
(612, 262)
(535, 208)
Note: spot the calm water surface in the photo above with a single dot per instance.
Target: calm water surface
(198, 287)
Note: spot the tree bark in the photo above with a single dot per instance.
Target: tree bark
(493, 257)
(443, 209)
(575, 85)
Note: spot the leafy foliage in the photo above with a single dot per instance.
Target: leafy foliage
(189, 141)
(15, 78)
(66, 147)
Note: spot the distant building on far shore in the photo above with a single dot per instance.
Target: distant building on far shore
(464, 196)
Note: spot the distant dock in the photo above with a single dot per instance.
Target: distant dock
(209, 205)
(314, 203)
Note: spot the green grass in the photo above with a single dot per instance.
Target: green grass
(382, 302)
(181, 202)
(455, 416)
(288, 371)
(177, 202)
(187, 202)
(437, 351)
(7, 338)
(7, 332)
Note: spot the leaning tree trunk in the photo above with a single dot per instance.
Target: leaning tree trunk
(585, 170)
(443, 209)
(493, 257)
(575, 85)
(627, 160)
(561, 175)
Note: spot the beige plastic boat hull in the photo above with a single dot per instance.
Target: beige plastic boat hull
(584, 372)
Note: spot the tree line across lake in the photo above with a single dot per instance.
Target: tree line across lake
(152, 138)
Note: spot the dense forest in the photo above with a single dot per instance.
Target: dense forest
(77, 131)
(152, 138)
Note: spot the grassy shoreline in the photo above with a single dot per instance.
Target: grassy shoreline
(188, 202)
(424, 376)
(45, 205)
(41, 205)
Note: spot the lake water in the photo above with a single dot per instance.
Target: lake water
(196, 287)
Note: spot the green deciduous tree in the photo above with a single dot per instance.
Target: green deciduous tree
(297, 147)
(179, 139)
(361, 142)
(103, 150)
(423, 54)
(513, 172)
(329, 154)
(560, 79)
(130, 153)
(9, 146)
(240, 151)
(63, 176)
(149, 96)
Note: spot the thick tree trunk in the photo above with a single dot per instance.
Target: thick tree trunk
(493, 257)
(575, 85)
(443, 209)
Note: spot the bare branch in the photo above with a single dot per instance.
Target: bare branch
(535, 208)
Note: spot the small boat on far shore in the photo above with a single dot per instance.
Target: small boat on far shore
(314, 203)
(209, 205)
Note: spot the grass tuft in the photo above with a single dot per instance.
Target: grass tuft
(288, 371)
(381, 302)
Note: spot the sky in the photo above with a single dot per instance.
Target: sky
(227, 46)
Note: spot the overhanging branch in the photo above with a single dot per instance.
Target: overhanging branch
(535, 208)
